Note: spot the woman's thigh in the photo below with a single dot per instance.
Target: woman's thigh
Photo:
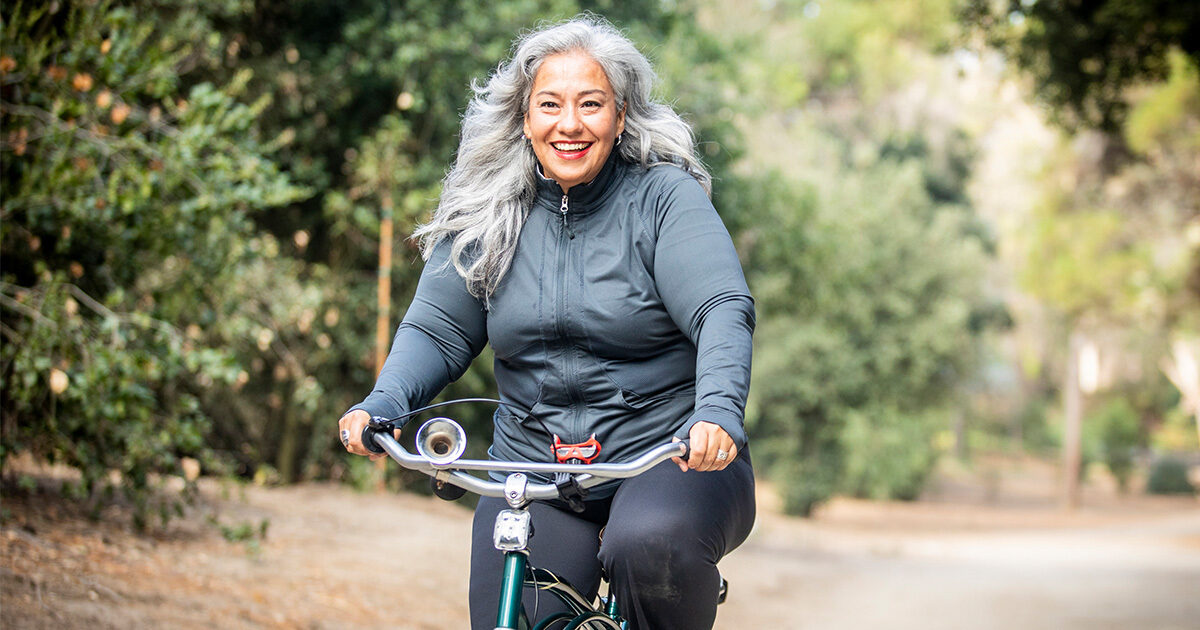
(666, 532)
(714, 510)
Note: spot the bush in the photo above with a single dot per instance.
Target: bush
(1169, 476)
(1119, 436)
(888, 455)
(805, 483)
(128, 202)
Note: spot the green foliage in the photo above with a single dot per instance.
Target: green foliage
(1119, 434)
(861, 250)
(1157, 121)
(853, 49)
(1081, 260)
(807, 481)
(888, 455)
(1037, 434)
(1169, 475)
(244, 532)
(1113, 242)
(1084, 55)
(128, 202)
(865, 298)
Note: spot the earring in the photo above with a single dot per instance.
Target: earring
(619, 136)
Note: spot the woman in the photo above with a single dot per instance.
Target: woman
(575, 234)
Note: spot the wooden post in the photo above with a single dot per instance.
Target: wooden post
(384, 304)
(382, 323)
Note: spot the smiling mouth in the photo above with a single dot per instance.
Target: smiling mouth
(570, 149)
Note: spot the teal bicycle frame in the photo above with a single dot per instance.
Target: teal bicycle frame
(440, 443)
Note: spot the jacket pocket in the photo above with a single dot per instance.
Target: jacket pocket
(636, 402)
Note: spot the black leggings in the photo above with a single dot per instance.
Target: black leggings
(664, 532)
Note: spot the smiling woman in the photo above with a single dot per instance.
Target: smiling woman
(576, 236)
(573, 120)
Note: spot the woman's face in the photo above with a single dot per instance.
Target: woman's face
(573, 119)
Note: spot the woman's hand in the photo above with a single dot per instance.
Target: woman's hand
(712, 448)
(354, 423)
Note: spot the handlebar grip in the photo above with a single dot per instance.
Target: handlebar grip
(368, 436)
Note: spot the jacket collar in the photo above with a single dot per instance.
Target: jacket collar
(584, 197)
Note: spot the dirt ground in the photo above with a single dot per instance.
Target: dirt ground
(980, 551)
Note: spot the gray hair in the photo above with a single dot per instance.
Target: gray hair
(488, 193)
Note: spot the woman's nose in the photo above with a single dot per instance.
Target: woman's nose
(569, 121)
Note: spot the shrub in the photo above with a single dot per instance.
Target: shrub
(128, 203)
(1169, 476)
(805, 483)
(1119, 436)
(888, 455)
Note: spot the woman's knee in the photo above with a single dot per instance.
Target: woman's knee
(653, 547)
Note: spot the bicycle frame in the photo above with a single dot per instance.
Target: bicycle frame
(439, 448)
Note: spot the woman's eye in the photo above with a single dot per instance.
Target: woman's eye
(548, 105)
(592, 105)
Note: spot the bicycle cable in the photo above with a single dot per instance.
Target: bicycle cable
(445, 403)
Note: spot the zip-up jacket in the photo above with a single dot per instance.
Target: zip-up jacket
(624, 314)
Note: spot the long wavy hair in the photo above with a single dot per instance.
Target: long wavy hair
(490, 189)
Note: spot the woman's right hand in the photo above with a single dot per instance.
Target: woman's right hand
(354, 422)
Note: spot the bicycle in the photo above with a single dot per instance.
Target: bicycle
(440, 444)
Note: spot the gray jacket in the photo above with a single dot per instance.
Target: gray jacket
(624, 314)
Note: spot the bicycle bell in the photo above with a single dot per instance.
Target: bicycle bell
(441, 441)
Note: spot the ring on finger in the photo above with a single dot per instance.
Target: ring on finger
(722, 455)
(345, 437)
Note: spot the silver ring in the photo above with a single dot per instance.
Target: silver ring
(345, 437)
(722, 455)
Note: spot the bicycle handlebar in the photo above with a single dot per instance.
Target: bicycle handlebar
(586, 476)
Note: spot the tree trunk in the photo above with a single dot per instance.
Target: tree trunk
(1182, 367)
(285, 457)
(1072, 425)
(961, 447)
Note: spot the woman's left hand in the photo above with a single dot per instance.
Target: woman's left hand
(712, 448)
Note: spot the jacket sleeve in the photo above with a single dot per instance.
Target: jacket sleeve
(700, 280)
(444, 329)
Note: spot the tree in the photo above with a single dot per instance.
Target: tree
(860, 245)
(1120, 76)
(866, 295)
(127, 210)
(1084, 54)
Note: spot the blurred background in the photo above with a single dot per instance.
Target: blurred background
(972, 228)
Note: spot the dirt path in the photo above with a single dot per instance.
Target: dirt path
(333, 558)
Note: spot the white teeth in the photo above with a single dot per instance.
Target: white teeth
(571, 146)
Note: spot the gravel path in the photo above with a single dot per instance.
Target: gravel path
(333, 558)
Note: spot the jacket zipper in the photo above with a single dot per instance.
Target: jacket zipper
(562, 209)
(564, 331)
